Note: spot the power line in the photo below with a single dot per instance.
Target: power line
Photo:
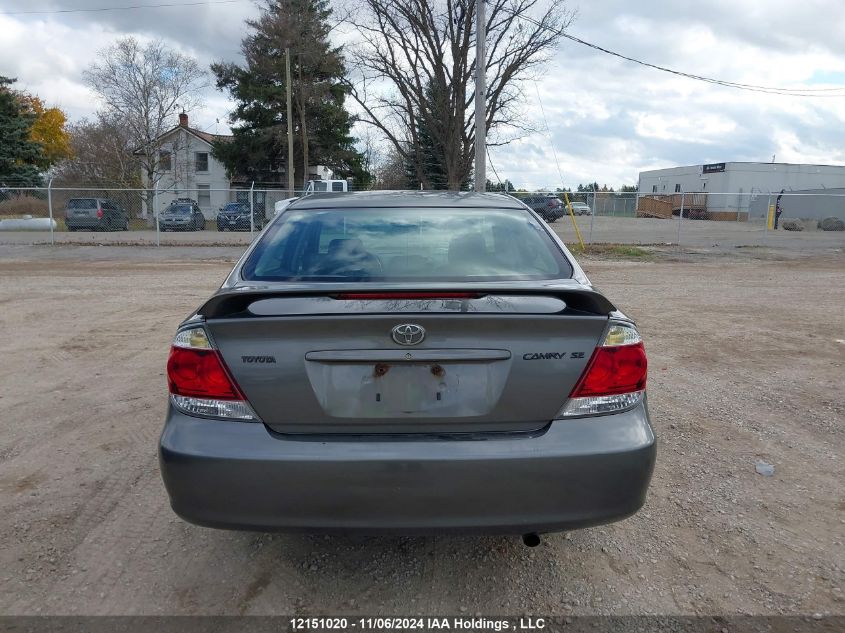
(548, 129)
(126, 8)
(490, 160)
(792, 92)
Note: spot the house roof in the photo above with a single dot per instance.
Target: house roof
(206, 137)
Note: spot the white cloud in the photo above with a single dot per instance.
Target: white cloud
(608, 118)
(707, 129)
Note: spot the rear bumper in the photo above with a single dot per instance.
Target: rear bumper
(175, 226)
(241, 224)
(85, 223)
(239, 475)
(551, 214)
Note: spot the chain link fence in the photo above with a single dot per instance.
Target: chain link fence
(803, 220)
(62, 210)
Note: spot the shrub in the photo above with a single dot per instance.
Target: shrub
(831, 224)
(17, 206)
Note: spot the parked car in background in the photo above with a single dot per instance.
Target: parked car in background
(581, 208)
(183, 214)
(407, 362)
(323, 186)
(95, 214)
(547, 205)
(235, 217)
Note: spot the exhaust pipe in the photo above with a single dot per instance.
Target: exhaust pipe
(532, 539)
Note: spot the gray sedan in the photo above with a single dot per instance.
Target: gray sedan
(407, 362)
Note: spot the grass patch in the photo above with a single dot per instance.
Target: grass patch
(614, 251)
(20, 206)
(135, 224)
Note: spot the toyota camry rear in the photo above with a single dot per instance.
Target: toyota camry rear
(407, 362)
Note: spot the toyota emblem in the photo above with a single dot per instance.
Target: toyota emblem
(408, 334)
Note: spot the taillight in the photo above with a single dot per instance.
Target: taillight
(200, 373)
(99, 212)
(614, 378)
(199, 381)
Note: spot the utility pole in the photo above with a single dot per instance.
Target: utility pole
(290, 168)
(480, 98)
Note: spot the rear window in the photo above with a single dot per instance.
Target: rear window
(235, 207)
(406, 245)
(82, 203)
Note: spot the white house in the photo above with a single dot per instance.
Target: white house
(187, 169)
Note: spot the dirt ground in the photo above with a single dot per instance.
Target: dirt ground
(747, 363)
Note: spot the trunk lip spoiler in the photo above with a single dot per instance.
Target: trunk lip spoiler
(235, 299)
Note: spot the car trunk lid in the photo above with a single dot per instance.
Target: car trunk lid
(331, 362)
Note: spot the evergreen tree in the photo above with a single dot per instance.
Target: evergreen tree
(430, 154)
(321, 124)
(19, 154)
(505, 186)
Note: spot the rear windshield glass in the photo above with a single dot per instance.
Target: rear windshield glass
(82, 203)
(406, 244)
(235, 207)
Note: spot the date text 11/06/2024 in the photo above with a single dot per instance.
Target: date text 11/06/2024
(524, 623)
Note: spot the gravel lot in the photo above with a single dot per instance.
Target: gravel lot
(747, 362)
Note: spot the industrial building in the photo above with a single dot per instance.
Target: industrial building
(731, 191)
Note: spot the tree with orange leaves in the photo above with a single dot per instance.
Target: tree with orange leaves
(48, 130)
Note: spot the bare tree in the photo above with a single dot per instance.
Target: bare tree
(390, 172)
(102, 154)
(424, 51)
(145, 86)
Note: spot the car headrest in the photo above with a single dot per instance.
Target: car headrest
(346, 247)
(467, 247)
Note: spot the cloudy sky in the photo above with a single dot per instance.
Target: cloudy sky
(608, 119)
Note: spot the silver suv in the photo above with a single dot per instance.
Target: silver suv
(95, 214)
(581, 208)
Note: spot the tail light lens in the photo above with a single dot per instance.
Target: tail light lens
(99, 212)
(615, 376)
(193, 372)
(200, 383)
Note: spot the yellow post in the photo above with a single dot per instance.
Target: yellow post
(574, 223)
(770, 221)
